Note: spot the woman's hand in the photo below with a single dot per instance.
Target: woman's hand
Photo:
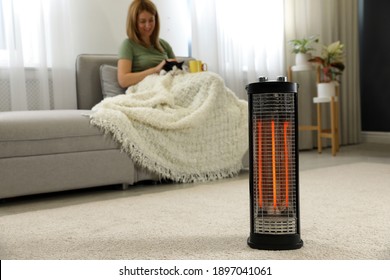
(127, 78)
(159, 67)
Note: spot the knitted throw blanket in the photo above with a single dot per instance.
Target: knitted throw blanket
(186, 127)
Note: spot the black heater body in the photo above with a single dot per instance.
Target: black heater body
(273, 147)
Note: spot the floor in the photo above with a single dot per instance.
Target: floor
(366, 152)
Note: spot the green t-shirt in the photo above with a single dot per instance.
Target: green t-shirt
(144, 58)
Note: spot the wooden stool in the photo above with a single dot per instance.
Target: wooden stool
(333, 132)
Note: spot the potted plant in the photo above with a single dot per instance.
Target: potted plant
(302, 49)
(331, 67)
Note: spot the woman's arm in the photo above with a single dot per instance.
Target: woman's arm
(127, 78)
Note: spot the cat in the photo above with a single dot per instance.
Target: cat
(170, 64)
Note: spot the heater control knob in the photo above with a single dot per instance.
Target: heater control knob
(263, 79)
(281, 79)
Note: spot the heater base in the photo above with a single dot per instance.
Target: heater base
(275, 242)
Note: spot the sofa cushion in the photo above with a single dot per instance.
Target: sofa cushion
(31, 133)
(109, 81)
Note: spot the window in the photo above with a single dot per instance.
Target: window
(23, 31)
(2, 35)
(240, 41)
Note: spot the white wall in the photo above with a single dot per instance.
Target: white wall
(100, 25)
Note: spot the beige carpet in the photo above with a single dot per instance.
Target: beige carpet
(345, 214)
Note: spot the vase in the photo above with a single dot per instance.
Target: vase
(326, 89)
(301, 59)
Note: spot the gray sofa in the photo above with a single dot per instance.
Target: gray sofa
(57, 150)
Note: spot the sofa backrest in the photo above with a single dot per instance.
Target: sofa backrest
(88, 85)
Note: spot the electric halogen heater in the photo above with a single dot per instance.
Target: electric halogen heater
(273, 147)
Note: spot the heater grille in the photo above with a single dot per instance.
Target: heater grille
(274, 163)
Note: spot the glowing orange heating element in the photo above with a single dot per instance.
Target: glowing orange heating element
(279, 150)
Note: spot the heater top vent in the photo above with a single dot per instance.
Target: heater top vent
(280, 85)
(263, 79)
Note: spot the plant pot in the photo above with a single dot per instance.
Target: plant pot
(301, 59)
(326, 89)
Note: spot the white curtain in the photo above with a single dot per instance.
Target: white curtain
(239, 40)
(36, 55)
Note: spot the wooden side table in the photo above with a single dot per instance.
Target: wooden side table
(333, 133)
(299, 68)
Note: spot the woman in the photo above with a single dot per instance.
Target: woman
(143, 53)
(167, 133)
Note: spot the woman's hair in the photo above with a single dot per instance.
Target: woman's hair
(135, 8)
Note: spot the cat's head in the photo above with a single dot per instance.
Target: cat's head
(170, 64)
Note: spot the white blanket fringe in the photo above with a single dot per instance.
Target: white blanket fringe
(185, 127)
